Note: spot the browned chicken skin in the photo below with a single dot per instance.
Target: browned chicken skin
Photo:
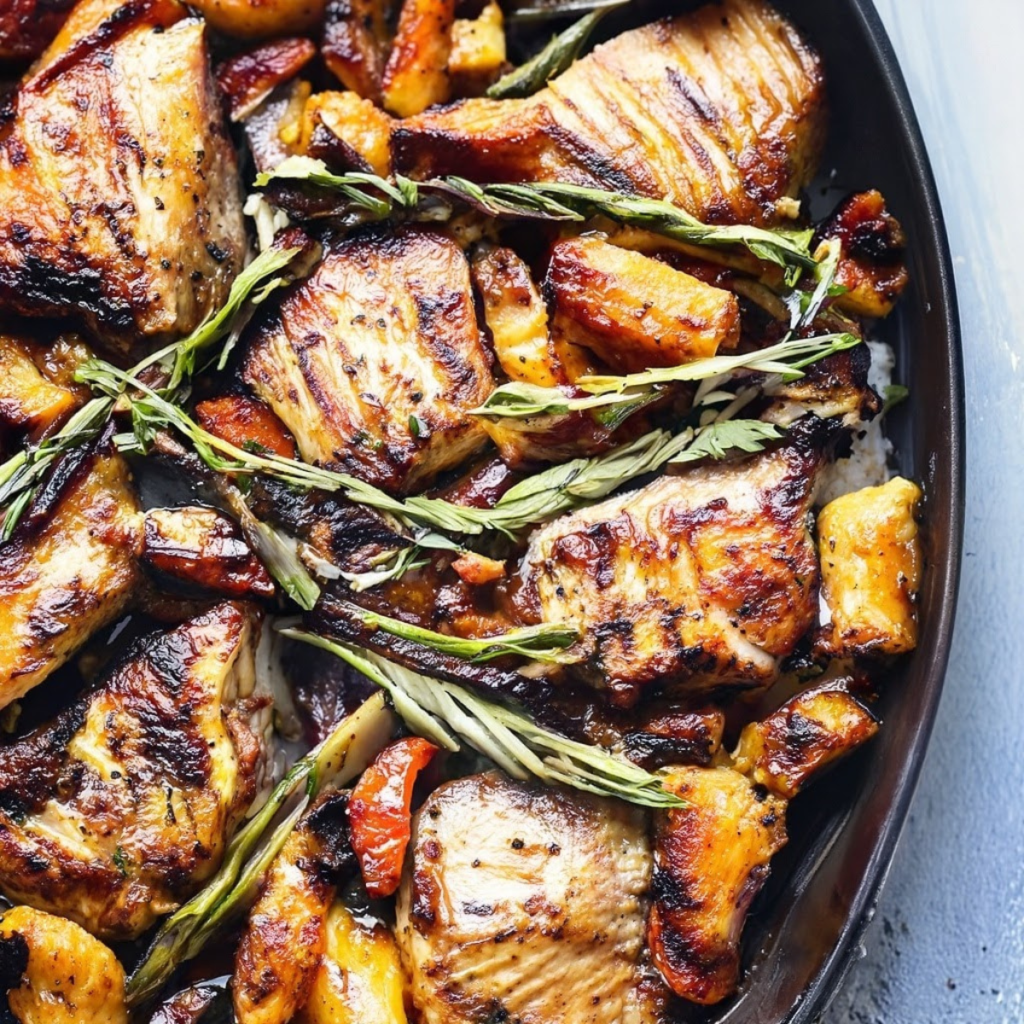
(119, 197)
(721, 111)
(121, 807)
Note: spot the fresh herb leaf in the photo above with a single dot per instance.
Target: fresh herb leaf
(893, 395)
(716, 440)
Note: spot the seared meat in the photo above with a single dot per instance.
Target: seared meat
(525, 903)
(373, 362)
(283, 944)
(121, 807)
(705, 578)
(871, 570)
(808, 732)
(248, 78)
(69, 569)
(721, 111)
(119, 196)
(54, 972)
(354, 44)
(710, 858)
(635, 312)
(199, 549)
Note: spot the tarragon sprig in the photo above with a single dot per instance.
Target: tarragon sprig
(440, 710)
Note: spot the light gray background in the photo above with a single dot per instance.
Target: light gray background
(947, 942)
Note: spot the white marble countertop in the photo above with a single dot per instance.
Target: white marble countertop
(947, 942)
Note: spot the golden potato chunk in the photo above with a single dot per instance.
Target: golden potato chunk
(362, 131)
(635, 312)
(360, 979)
(30, 400)
(374, 362)
(416, 75)
(255, 19)
(710, 859)
(803, 736)
(871, 569)
(63, 975)
(478, 50)
(70, 577)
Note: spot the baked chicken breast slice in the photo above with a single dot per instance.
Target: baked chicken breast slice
(521, 902)
(119, 192)
(721, 111)
(70, 573)
(373, 362)
(118, 810)
(701, 579)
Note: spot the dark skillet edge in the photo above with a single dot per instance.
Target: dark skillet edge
(830, 976)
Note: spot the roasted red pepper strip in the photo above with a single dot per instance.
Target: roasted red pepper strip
(380, 812)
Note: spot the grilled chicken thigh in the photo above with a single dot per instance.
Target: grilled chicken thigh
(525, 903)
(374, 361)
(721, 111)
(705, 578)
(54, 972)
(69, 569)
(119, 195)
(121, 807)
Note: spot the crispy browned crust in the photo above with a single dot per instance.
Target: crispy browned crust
(355, 39)
(121, 807)
(248, 78)
(710, 859)
(119, 197)
(375, 360)
(721, 111)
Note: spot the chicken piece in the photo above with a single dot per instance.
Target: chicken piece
(31, 401)
(721, 111)
(711, 857)
(248, 78)
(416, 75)
(119, 194)
(521, 902)
(69, 569)
(374, 361)
(832, 388)
(478, 51)
(360, 979)
(807, 733)
(355, 42)
(635, 312)
(28, 26)
(871, 265)
(871, 570)
(347, 131)
(121, 807)
(199, 549)
(674, 736)
(55, 972)
(701, 579)
(285, 938)
(256, 19)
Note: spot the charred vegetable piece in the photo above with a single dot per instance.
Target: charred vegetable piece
(55, 972)
(69, 569)
(696, 580)
(711, 856)
(246, 423)
(732, 82)
(871, 569)
(416, 75)
(375, 361)
(119, 196)
(200, 549)
(31, 400)
(507, 888)
(123, 805)
(380, 812)
(247, 79)
(354, 46)
(809, 732)
(635, 312)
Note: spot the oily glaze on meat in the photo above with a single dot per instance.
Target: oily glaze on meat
(121, 807)
(721, 111)
(69, 574)
(526, 903)
(119, 196)
(705, 578)
(374, 362)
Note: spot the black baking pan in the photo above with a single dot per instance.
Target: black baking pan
(805, 928)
